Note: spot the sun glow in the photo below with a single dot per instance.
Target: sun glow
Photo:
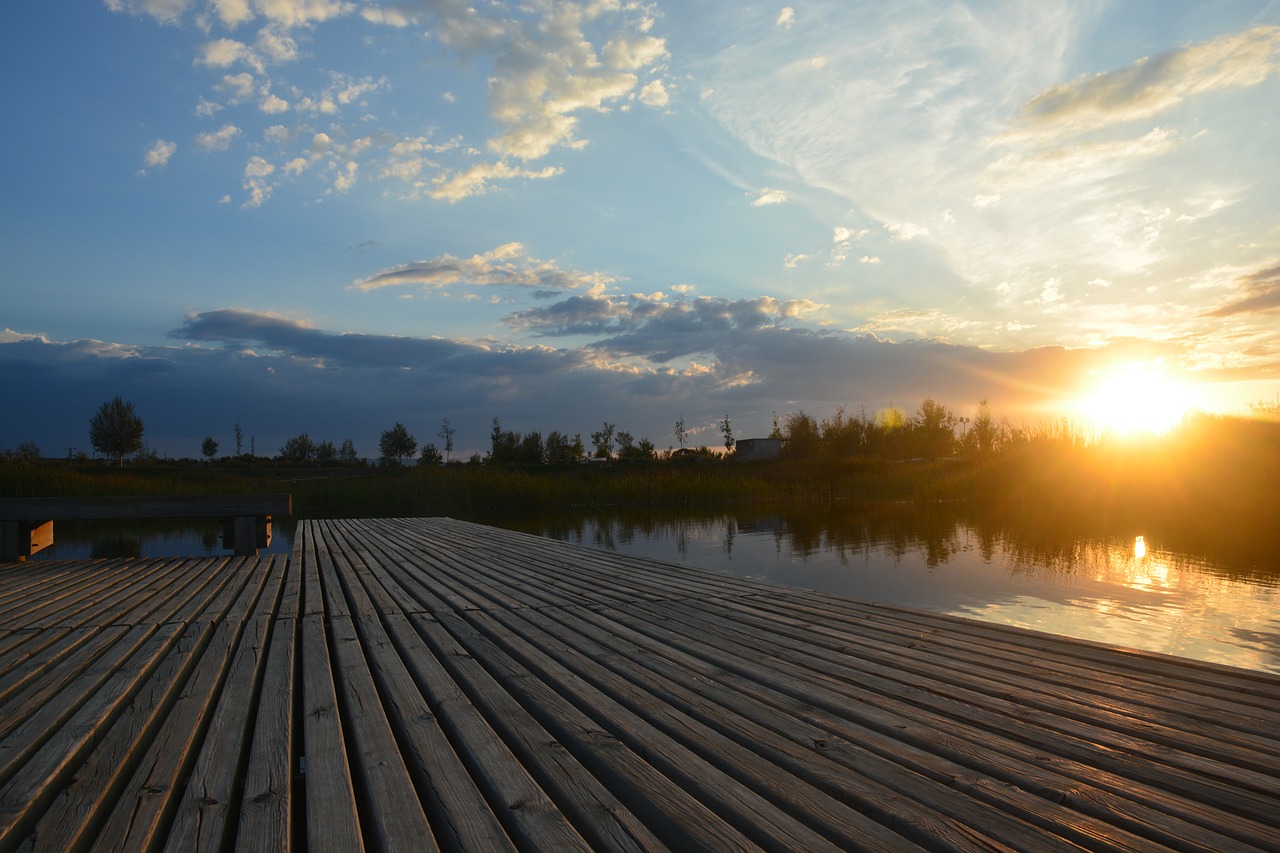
(1136, 398)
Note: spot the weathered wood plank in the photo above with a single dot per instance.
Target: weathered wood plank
(333, 823)
(395, 681)
(548, 800)
(458, 812)
(141, 815)
(266, 808)
(212, 794)
(42, 751)
(74, 816)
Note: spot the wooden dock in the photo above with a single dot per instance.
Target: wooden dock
(410, 684)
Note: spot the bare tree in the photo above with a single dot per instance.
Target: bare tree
(446, 435)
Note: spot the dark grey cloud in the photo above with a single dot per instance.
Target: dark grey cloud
(657, 329)
(279, 377)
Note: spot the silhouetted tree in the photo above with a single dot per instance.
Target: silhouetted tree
(983, 436)
(933, 429)
(603, 441)
(430, 455)
(325, 452)
(209, 447)
(239, 438)
(626, 443)
(116, 429)
(726, 430)
(682, 434)
(560, 449)
(299, 448)
(504, 445)
(889, 435)
(347, 453)
(396, 443)
(446, 435)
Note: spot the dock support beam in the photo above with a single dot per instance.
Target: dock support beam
(21, 539)
(245, 534)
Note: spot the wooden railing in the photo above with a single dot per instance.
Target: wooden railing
(26, 524)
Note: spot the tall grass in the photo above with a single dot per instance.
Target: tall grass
(1215, 475)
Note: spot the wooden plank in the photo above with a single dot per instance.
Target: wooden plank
(533, 789)
(671, 785)
(144, 506)
(333, 823)
(140, 817)
(266, 809)
(53, 695)
(698, 630)
(909, 817)
(398, 677)
(983, 742)
(39, 753)
(458, 812)
(212, 795)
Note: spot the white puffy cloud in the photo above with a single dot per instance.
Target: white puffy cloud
(294, 13)
(238, 87)
(164, 11)
(232, 13)
(906, 231)
(398, 18)
(256, 172)
(225, 52)
(633, 52)
(786, 18)
(275, 45)
(769, 196)
(217, 140)
(654, 94)
(157, 156)
(271, 104)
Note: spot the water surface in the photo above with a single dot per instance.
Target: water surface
(1145, 589)
(1122, 589)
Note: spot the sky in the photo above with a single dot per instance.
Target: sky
(328, 216)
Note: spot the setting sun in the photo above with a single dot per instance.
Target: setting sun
(1136, 398)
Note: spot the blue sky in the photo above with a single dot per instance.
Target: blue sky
(322, 216)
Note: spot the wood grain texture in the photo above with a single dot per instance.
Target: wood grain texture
(417, 683)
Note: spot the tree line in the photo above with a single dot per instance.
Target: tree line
(933, 431)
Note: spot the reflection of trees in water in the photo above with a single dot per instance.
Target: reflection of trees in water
(1028, 541)
(102, 538)
(109, 546)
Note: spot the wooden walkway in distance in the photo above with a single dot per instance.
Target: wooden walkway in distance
(409, 684)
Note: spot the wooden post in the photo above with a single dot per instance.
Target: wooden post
(247, 525)
(245, 534)
(21, 539)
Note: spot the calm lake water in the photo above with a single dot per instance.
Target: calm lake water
(1135, 588)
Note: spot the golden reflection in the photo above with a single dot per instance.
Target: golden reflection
(1139, 548)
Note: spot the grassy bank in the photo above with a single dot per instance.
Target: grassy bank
(1214, 475)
